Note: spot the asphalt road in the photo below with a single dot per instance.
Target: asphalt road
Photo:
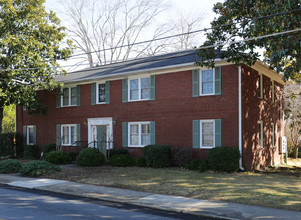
(18, 203)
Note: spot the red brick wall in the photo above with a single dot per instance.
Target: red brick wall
(255, 109)
(173, 111)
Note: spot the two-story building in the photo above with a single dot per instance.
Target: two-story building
(165, 99)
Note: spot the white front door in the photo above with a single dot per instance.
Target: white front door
(100, 133)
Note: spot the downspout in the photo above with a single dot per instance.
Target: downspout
(15, 118)
(239, 118)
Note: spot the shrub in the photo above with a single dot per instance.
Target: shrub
(47, 148)
(73, 156)
(224, 159)
(180, 156)
(90, 157)
(7, 144)
(10, 166)
(32, 152)
(58, 157)
(139, 162)
(157, 155)
(122, 160)
(195, 164)
(117, 151)
(38, 168)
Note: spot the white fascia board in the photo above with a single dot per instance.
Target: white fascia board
(263, 68)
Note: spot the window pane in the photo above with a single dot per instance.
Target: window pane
(145, 93)
(207, 76)
(134, 133)
(30, 135)
(65, 138)
(66, 96)
(73, 96)
(145, 83)
(134, 94)
(134, 84)
(73, 134)
(207, 134)
(207, 88)
(102, 92)
(145, 134)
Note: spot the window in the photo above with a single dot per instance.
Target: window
(139, 134)
(69, 97)
(207, 82)
(68, 134)
(260, 89)
(139, 89)
(272, 135)
(30, 135)
(207, 133)
(260, 133)
(101, 93)
(272, 91)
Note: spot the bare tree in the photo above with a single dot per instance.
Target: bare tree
(99, 25)
(293, 115)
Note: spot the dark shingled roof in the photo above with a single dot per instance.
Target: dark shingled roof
(131, 66)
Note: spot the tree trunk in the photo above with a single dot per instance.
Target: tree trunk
(296, 152)
(1, 119)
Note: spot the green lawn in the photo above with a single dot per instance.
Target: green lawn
(271, 190)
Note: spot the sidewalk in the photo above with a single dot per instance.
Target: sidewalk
(223, 210)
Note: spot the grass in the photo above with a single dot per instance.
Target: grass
(272, 189)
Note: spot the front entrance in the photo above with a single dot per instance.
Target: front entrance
(100, 133)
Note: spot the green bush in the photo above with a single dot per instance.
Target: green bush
(32, 152)
(58, 157)
(117, 151)
(7, 144)
(224, 159)
(157, 155)
(90, 157)
(73, 156)
(47, 148)
(180, 156)
(38, 168)
(19, 145)
(139, 162)
(195, 164)
(122, 160)
(10, 166)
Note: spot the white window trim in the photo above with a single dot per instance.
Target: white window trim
(69, 138)
(27, 134)
(97, 92)
(272, 135)
(261, 86)
(69, 100)
(139, 88)
(260, 141)
(201, 136)
(201, 84)
(139, 132)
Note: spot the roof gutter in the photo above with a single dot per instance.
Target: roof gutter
(239, 118)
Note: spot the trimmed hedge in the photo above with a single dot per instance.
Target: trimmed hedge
(139, 162)
(58, 157)
(38, 168)
(195, 164)
(224, 159)
(157, 155)
(122, 160)
(10, 166)
(47, 148)
(117, 151)
(32, 152)
(181, 156)
(90, 157)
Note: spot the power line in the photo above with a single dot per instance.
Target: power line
(203, 47)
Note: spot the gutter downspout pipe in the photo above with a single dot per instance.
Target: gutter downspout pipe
(239, 118)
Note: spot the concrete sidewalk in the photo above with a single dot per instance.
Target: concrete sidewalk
(223, 210)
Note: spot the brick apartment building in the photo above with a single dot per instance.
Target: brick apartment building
(164, 99)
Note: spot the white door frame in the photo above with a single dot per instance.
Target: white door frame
(108, 122)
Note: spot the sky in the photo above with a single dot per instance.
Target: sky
(187, 8)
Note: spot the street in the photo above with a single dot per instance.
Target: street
(18, 203)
